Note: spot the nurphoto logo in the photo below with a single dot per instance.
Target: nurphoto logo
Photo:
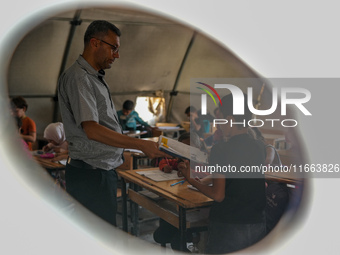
(238, 104)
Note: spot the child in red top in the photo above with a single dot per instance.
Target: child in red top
(192, 139)
(28, 127)
(167, 165)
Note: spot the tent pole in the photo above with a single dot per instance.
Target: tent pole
(74, 23)
(174, 92)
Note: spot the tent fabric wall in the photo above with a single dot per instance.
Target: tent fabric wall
(151, 54)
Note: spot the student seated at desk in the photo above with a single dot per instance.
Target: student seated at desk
(28, 128)
(168, 165)
(128, 117)
(55, 135)
(196, 122)
(166, 233)
(236, 219)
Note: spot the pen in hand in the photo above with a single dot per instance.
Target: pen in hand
(167, 161)
(167, 168)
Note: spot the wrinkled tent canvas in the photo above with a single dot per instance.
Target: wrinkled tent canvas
(156, 55)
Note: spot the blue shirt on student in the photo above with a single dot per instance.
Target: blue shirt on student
(129, 122)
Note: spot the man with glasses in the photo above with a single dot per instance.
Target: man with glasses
(91, 125)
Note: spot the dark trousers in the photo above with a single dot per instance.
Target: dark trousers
(226, 237)
(96, 189)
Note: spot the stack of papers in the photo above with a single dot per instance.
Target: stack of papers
(158, 175)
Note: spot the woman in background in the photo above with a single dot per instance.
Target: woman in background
(55, 135)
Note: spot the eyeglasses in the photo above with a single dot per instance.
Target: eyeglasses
(114, 48)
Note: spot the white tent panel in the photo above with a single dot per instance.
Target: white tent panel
(207, 59)
(150, 56)
(36, 62)
(124, 15)
(41, 111)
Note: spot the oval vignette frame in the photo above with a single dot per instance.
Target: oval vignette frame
(95, 226)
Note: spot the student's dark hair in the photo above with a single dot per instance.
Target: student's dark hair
(19, 102)
(227, 108)
(184, 136)
(194, 139)
(99, 29)
(128, 105)
(190, 109)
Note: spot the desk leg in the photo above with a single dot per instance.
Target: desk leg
(124, 207)
(135, 213)
(134, 162)
(182, 228)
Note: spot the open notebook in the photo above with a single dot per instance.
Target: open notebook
(157, 175)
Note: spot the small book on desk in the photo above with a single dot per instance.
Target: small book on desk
(181, 150)
(158, 176)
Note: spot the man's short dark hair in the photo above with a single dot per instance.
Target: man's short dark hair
(128, 105)
(227, 108)
(99, 29)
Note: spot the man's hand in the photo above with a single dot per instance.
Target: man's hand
(151, 150)
(99, 133)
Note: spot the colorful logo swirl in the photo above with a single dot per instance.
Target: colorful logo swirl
(209, 93)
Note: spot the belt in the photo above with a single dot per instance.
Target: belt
(79, 164)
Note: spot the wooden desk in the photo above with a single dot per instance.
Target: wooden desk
(55, 169)
(128, 161)
(132, 157)
(181, 196)
(287, 178)
(48, 164)
(170, 129)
